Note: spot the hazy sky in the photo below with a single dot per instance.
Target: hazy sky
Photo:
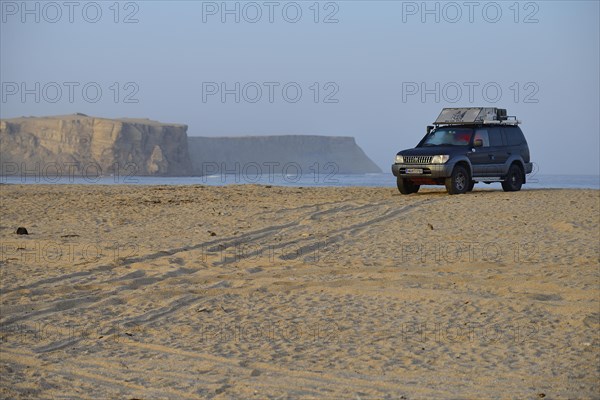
(376, 70)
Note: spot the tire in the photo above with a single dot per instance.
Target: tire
(514, 179)
(471, 186)
(406, 187)
(459, 181)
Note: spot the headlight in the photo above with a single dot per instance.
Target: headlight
(440, 159)
(399, 159)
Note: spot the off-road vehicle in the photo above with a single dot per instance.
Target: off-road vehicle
(463, 147)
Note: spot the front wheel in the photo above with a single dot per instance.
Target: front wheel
(406, 187)
(514, 179)
(459, 181)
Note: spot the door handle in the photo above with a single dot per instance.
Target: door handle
(492, 157)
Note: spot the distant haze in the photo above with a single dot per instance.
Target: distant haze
(376, 70)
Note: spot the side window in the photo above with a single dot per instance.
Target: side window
(496, 137)
(520, 135)
(514, 137)
(482, 134)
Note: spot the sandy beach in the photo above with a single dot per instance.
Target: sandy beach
(247, 291)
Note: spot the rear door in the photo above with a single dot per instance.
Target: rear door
(500, 152)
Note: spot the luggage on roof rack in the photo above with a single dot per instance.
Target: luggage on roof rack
(475, 115)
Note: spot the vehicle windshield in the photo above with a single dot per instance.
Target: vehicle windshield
(448, 136)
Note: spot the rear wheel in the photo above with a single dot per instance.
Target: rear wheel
(514, 179)
(406, 187)
(471, 186)
(459, 181)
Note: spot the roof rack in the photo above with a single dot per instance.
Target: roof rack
(475, 115)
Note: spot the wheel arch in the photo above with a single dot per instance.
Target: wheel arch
(464, 162)
(519, 163)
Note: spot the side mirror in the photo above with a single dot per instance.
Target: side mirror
(478, 142)
(429, 129)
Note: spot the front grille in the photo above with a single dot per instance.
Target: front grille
(417, 159)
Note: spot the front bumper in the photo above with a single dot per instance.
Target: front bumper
(432, 171)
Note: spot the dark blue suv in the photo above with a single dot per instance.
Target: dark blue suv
(466, 146)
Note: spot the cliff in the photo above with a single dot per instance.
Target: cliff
(79, 144)
(289, 154)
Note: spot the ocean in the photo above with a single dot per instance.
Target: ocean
(312, 180)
